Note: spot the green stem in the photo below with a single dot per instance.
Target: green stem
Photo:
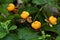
(44, 24)
(38, 13)
(7, 29)
(45, 16)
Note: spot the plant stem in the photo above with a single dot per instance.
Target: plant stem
(7, 29)
(38, 13)
(45, 15)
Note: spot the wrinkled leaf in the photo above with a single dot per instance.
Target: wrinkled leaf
(58, 38)
(6, 1)
(13, 27)
(31, 9)
(5, 24)
(25, 0)
(41, 2)
(10, 36)
(27, 34)
(2, 34)
(10, 17)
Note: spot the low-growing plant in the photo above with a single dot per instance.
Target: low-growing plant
(29, 20)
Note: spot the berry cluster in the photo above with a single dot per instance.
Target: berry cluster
(36, 24)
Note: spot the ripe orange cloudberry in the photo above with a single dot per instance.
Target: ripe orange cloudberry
(36, 25)
(11, 7)
(53, 20)
(24, 14)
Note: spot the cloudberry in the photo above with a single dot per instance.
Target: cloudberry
(11, 7)
(24, 14)
(36, 25)
(52, 20)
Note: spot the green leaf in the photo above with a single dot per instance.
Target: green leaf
(6, 1)
(13, 27)
(27, 33)
(1, 18)
(2, 29)
(25, 0)
(16, 15)
(2, 34)
(41, 2)
(10, 36)
(58, 38)
(41, 17)
(7, 22)
(5, 25)
(9, 1)
(31, 9)
(10, 17)
(3, 9)
(1, 2)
